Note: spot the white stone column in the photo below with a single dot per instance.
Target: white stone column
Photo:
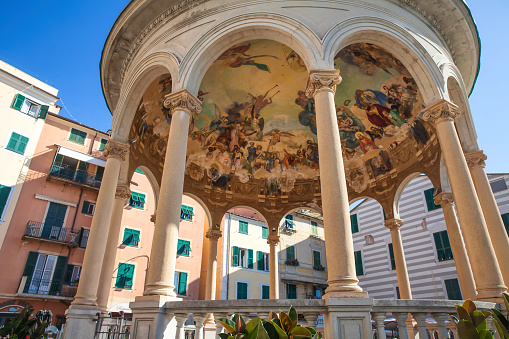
(163, 254)
(273, 241)
(123, 192)
(342, 279)
(496, 228)
(399, 257)
(213, 234)
(459, 252)
(487, 275)
(84, 306)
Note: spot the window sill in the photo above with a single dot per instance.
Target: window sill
(129, 245)
(18, 153)
(75, 142)
(124, 288)
(243, 233)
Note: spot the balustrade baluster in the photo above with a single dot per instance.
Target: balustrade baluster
(379, 319)
(440, 318)
(199, 318)
(181, 319)
(420, 318)
(217, 316)
(311, 318)
(401, 319)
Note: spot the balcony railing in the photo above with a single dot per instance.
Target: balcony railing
(77, 176)
(41, 230)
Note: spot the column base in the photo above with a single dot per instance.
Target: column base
(345, 294)
(493, 295)
(348, 318)
(150, 319)
(81, 323)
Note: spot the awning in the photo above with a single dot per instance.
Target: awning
(187, 210)
(80, 156)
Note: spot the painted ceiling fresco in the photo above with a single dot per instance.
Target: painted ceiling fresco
(256, 122)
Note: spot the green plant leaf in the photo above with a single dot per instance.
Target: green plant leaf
(506, 301)
(271, 331)
(313, 332)
(299, 330)
(286, 322)
(252, 324)
(463, 313)
(471, 331)
(469, 306)
(227, 326)
(253, 334)
(223, 336)
(292, 313)
(501, 323)
(272, 315)
(485, 334)
(262, 333)
(280, 332)
(478, 319)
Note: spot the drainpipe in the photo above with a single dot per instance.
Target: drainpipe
(92, 144)
(77, 207)
(228, 257)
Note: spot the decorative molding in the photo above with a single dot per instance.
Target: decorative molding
(393, 223)
(115, 149)
(322, 80)
(440, 111)
(58, 201)
(183, 100)
(123, 192)
(476, 158)
(273, 240)
(444, 199)
(214, 233)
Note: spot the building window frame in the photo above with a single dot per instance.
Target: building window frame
(186, 212)
(124, 266)
(88, 208)
(75, 134)
(291, 294)
(354, 223)
(21, 141)
(137, 200)
(429, 201)
(243, 227)
(446, 291)
(390, 253)
(7, 200)
(177, 279)
(265, 232)
(314, 228)
(131, 237)
(359, 266)
(262, 285)
(102, 144)
(184, 248)
(237, 282)
(447, 255)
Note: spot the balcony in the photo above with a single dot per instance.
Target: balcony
(49, 289)
(73, 176)
(56, 234)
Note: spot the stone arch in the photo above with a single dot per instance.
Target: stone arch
(247, 207)
(243, 28)
(394, 39)
(403, 185)
(295, 209)
(202, 205)
(152, 179)
(133, 89)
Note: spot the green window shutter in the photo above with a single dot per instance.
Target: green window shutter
(249, 258)
(22, 145)
(355, 223)
(138, 170)
(265, 232)
(453, 289)
(314, 228)
(265, 292)
(430, 201)
(259, 254)
(291, 291)
(18, 102)
(82, 166)
(125, 276)
(12, 145)
(55, 215)
(186, 212)
(58, 275)
(78, 136)
(43, 112)
(235, 256)
(68, 274)
(128, 236)
(289, 221)
(359, 269)
(182, 288)
(86, 205)
(99, 173)
(183, 247)
(505, 219)
(29, 269)
(102, 145)
(243, 227)
(58, 159)
(443, 246)
(4, 196)
(136, 237)
(391, 255)
(317, 260)
(241, 290)
(290, 253)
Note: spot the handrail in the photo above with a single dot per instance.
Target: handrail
(36, 229)
(76, 175)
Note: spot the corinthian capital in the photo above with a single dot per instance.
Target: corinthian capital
(322, 80)
(393, 223)
(214, 233)
(115, 149)
(441, 110)
(123, 192)
(183, 100)
(443, 199)
(273, 240)
(476, 158)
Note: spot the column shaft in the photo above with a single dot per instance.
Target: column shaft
(93, 261)
(210, 288)
(273, 241)
(492, 216)
(488, 277)
(342, 279)
(394, 225)
(459, 252)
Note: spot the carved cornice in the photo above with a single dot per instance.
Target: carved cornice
(123, 192)
(322, 80)
(393, 223)
(115, 149)
(183, 100)
(444, 199)
(214, 234)
(442, 110)
(273, 240)
(476, 158)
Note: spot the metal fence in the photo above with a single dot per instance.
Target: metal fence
(76, 175)
(108, 327)
(41, 230)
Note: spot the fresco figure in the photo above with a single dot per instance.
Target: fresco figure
(381, 164)
(348, 125)
(365, 142)
(307, 117)
(418, 131)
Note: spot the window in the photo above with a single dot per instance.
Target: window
(355, 223)
(77, 136)
(131, 237)
(243, 227)
(359, 269)
(291, 291)
(184, 248)
(498, 185)
(443, 246)
(137, 170)
(314, 228)
(317, 259)
(263, 261)
(265, 292)
(99, 173)
(242, 290)
(318, 293)
(29, 107)
(265, 232)
(391, 256)
(102, 144)
(289, 221)
(290, 253)
(505, 219)
(72, 274)
(180, 282)
(186, 213)
(5, 192)
(17, 143)
(242, 257)
(83, 239)
(137, 200)
(430, 201)
(54, 220)
(452, 287)
(88, 208)
(44, 273)
(125, 276)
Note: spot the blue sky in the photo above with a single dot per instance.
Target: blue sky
(61, 42)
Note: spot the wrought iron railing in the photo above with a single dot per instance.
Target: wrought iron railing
(76, 175)
(36, 229)
(42, 286)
